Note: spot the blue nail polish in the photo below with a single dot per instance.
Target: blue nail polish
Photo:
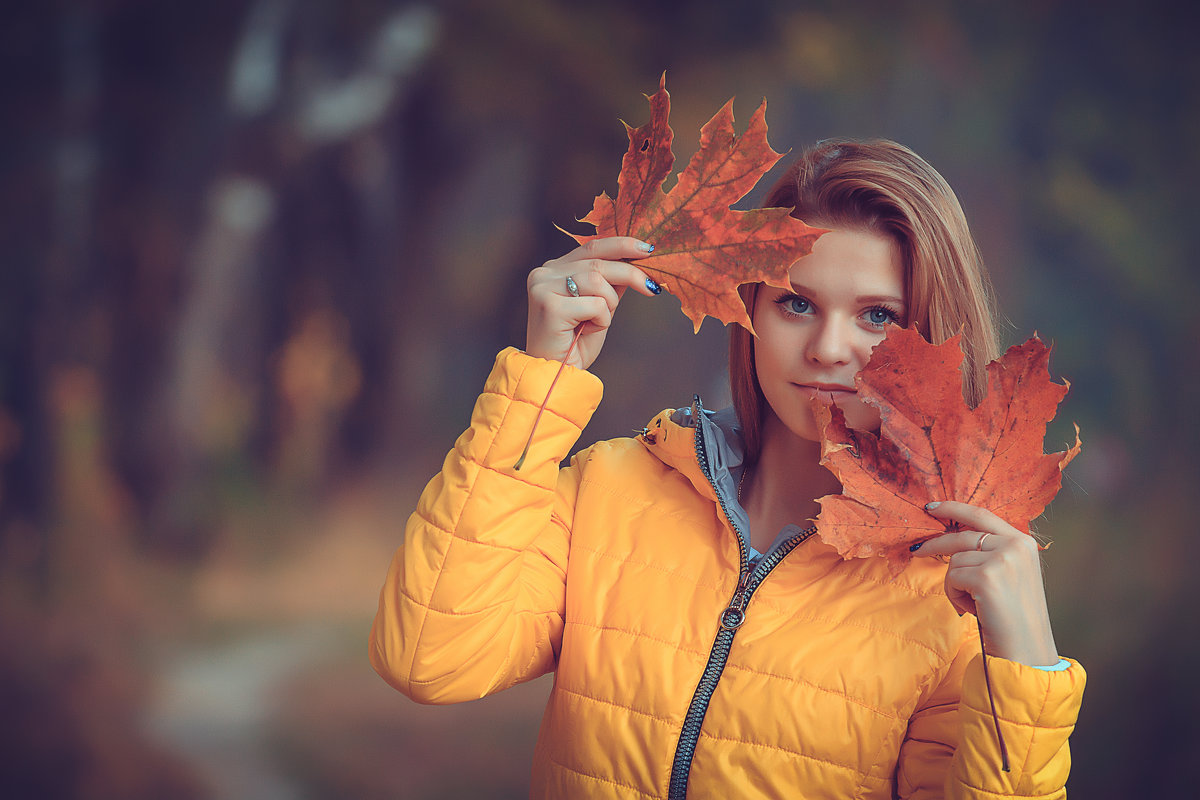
(915, 547)
(649, 248)
(933, 505)
(652, 286)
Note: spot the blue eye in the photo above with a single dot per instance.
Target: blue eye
(794, 304)
(880, 316)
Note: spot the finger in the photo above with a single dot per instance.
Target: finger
(604, 255)
(963, 573)
(620, 275)
(962, 600)
(590, 309)
(969, 516)
(633, 277)
(960, 597)
(592, 284)
(611, 248)
(947, 544)
(588, 275)
(968, 576)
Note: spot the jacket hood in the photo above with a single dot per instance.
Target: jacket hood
(711, 456)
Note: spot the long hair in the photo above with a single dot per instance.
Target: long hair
(883, 187)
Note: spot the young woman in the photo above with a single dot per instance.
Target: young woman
(705, 643)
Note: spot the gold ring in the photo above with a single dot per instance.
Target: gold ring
(979, 544)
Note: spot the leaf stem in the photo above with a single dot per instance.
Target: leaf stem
(992, 700)
(538, 418)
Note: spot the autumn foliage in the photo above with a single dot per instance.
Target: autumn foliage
(932, 446)
(703, 250)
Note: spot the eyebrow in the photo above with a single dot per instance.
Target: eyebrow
(869, 298)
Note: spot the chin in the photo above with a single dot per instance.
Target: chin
(801, 423)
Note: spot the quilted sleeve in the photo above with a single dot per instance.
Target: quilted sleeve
(933, 730)
(951, 750)
(473, 601)
(1037, 712)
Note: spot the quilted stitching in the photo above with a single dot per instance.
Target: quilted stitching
(623, 477)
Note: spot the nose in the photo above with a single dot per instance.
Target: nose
(831, 343)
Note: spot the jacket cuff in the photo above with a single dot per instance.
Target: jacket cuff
(507, 409)
(526, 379)
(1026, 695)
(1036, 710)
(1059, 667)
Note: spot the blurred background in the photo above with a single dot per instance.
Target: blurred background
(258, 256)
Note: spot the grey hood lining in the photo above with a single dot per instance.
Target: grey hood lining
(723, 445)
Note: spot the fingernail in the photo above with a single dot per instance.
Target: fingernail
(652, 286)
(646, 246)
(933, 505)
(915, 547)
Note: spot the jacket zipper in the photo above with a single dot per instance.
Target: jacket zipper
(750, 578)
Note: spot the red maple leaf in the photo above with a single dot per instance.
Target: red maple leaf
(932, 446)
(703, 250)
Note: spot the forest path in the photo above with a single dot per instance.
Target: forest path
(215, 705)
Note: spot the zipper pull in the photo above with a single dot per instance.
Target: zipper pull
(735, 613)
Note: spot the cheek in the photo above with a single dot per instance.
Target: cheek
(864, 341)
(765, 358)
(777, 344)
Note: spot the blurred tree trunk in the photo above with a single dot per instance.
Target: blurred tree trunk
(83, 517)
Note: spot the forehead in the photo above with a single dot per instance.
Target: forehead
(851, 263)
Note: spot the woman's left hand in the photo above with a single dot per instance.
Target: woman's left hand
(995, 573)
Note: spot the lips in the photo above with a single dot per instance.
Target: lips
(831, 387)
(827, 391)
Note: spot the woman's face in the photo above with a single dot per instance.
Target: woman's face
(813, 340)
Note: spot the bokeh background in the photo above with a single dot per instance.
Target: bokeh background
(259, 254)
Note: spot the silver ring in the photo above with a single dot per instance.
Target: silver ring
(572, 287)
(979, 544)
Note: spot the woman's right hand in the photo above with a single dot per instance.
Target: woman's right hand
(601, 278)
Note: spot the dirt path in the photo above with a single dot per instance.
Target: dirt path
(214, 704)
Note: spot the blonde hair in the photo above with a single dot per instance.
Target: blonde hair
(884, 187)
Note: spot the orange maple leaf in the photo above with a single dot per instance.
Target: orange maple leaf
(703, 250)
(932, 446)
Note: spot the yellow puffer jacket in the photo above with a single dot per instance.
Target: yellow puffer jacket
(617, 571)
